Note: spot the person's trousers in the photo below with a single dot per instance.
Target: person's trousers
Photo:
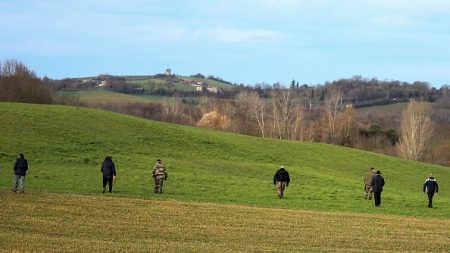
(18, 179)
(430, 199)
(108, 181)
(159, 183)
(368, 189)
(377, 196)
(280, 188)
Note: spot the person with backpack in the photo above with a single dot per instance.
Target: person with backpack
(281, 180)
(377, 185)
(430, 187)
(20, 171)
(159, 175)
(109, 173)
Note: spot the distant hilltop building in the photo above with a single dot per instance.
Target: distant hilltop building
(103, 83)
(168, 72)
(212, 89)
(202, 86)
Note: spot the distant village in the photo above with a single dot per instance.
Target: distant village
(105, 80)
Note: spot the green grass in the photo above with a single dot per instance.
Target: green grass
(66, 145)
(382, 109)
(161, 84)
(219, 196)
(213, 83)
(95, 96)
(48, 222)
(105, 96)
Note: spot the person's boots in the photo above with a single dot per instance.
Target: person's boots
(104, 190)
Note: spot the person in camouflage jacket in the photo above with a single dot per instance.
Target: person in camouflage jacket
(159, 174)
(368, 189)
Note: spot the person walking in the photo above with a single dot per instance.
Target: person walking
(430, 187)
(20, 171)
(109, 173)
(377, 187)
(159, 175)
(281, 180)
(368, 183)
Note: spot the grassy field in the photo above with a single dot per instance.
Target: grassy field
(213, 83)
(382, 109)
(105, 96)
(65, 147)
(219, 196)
(48, 222)
(161, 84)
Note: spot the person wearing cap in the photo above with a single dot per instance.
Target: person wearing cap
(109, 173)
(377, 185)
(368, 183)
(430, 187)
(159, 175)
(20, 171)
(281, 180)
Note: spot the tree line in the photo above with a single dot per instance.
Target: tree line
(322, 113)
(20, 84)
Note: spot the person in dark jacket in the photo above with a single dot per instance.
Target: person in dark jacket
(430, 187)
(109, 173)
(377, 187)
(281, 180)
(20, 171)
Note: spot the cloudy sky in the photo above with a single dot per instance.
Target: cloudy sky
(243, 41)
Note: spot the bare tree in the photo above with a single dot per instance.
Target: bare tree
(347, 127)
(214, 120)
(19, 84)
(297, 123)
(275, 108)
(172, 109)
(332, 106)
(287, 113)
(254, 106)
(415, 130)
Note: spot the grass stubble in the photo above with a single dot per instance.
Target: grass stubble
(50, 222)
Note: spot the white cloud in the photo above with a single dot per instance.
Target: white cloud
(420, 6)
(230, 35)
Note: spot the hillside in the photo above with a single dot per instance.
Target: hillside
(99, 96)
(66, 145)
(382, 109)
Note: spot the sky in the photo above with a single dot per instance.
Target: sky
(242, 41)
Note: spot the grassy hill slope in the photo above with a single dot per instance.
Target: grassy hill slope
(182, 84)
(383, 109)
(98, 95)
(66, 145)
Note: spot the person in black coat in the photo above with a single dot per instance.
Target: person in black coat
(20, 171)
(430, 187)
(281, 180)
(109, 173)
(377, 185)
